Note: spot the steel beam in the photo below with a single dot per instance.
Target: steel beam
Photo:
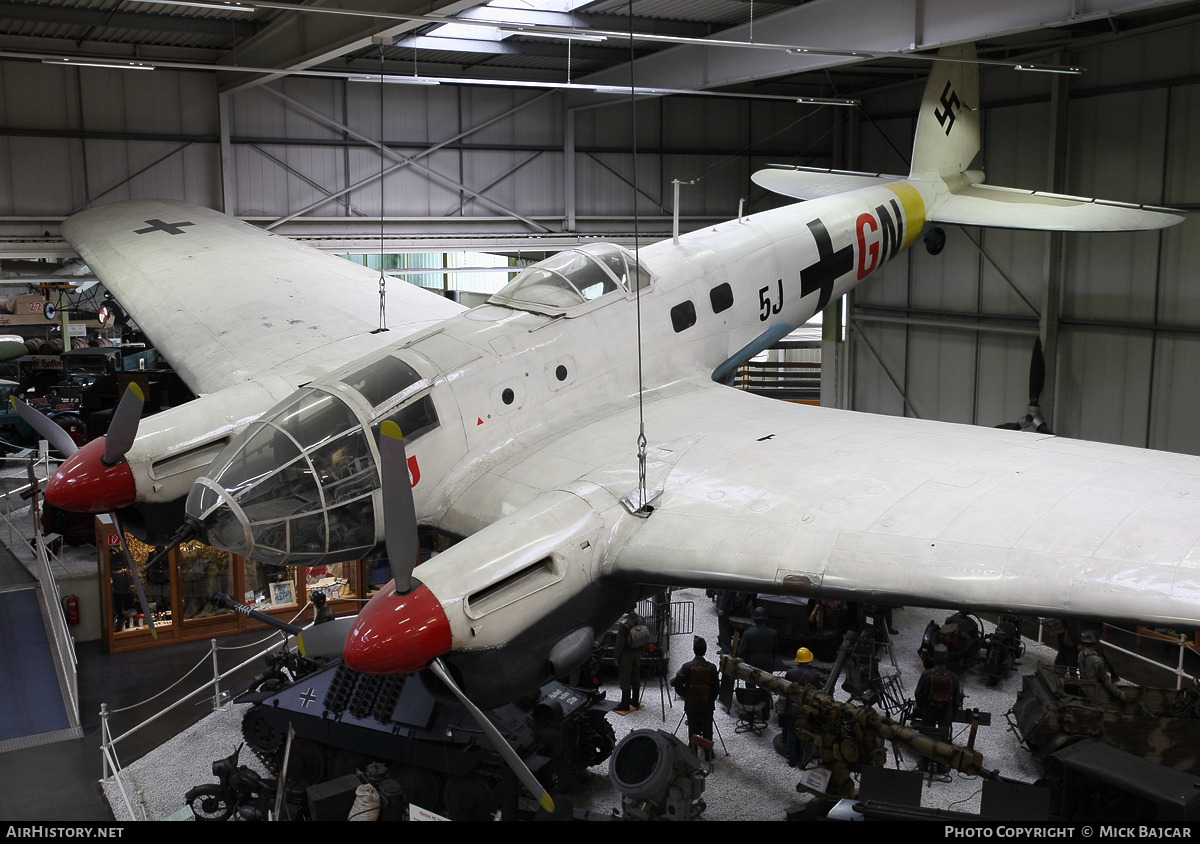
(402, 160)
(296, 41)
(864, 25)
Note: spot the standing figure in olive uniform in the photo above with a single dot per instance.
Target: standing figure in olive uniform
(1093, 665)
(630, 646)
(698, 682)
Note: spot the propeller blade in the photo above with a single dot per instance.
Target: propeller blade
(399, 512)
(1037, 372)
(124, 426)
(323, 640)
(46, 427)
(137, 578)
(498, 741)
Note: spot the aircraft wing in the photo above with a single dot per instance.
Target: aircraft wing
(762, 495)
(225, 301)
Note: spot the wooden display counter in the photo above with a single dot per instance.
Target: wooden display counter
(179, 591)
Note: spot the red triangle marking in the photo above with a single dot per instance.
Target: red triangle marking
(478, 422)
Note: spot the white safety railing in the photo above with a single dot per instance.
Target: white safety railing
(1181, 642)
(111, 768)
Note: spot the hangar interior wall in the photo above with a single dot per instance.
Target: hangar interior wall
(1128, 308)
(71, 136)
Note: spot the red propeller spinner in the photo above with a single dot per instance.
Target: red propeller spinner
(86, 484)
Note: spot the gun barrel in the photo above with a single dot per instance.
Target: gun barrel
(963, 759)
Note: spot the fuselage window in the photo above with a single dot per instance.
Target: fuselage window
(383, 379)
(683, 316)
(721, 297)
(415, 419)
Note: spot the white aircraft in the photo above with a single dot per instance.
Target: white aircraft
(523, 421)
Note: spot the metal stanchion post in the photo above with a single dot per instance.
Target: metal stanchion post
(104, 736)
(216, 677)
(1179, 673)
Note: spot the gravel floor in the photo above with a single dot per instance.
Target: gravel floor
(749, 780)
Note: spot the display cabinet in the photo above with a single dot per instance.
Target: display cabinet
(179, 590)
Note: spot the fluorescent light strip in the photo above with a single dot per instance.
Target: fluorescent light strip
(394, 78)
(215, 5)
(113, 65)
(569, 34)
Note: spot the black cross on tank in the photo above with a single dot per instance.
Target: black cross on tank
(160, 226)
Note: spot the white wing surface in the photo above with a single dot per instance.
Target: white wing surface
(225, 301)
(762, 495)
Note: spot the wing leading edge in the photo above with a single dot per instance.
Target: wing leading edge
(812, 501)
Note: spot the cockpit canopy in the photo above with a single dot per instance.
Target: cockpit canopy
(297, 487)
(573, 278)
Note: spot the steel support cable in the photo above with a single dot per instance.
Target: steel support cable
(635, 278)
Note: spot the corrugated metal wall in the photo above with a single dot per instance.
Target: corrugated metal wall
(1129, 329)
(70, 136)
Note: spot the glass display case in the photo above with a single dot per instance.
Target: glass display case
(180, 586)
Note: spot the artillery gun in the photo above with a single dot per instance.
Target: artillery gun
(849, 738)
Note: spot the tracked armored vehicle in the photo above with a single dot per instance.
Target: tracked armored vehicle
(345, 720)
(1056, 708)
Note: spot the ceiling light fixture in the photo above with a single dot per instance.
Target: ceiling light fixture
(115, 65)
(1048, 69)
(558, 34)
(398, 79)
(206, 4)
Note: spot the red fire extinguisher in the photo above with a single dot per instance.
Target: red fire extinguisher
(71, 608)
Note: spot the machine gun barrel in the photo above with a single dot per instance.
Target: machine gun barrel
(223, 600)
(968, 761)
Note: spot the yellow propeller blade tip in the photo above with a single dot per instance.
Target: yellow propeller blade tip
(137, 391)
(546, 802)
(391, 429)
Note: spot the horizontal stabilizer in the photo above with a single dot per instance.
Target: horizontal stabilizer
(1010, 208)
(814, 182)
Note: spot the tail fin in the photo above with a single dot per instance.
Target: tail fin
(948, 125)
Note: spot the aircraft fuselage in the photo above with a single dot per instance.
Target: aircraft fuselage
(300, 485)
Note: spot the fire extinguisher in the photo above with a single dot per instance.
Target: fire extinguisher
(71, 608)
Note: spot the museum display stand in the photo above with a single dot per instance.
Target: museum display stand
(179, 591)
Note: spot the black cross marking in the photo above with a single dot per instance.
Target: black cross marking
(308, 697)
(831, 267)
(946, 117)
(160, 226)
